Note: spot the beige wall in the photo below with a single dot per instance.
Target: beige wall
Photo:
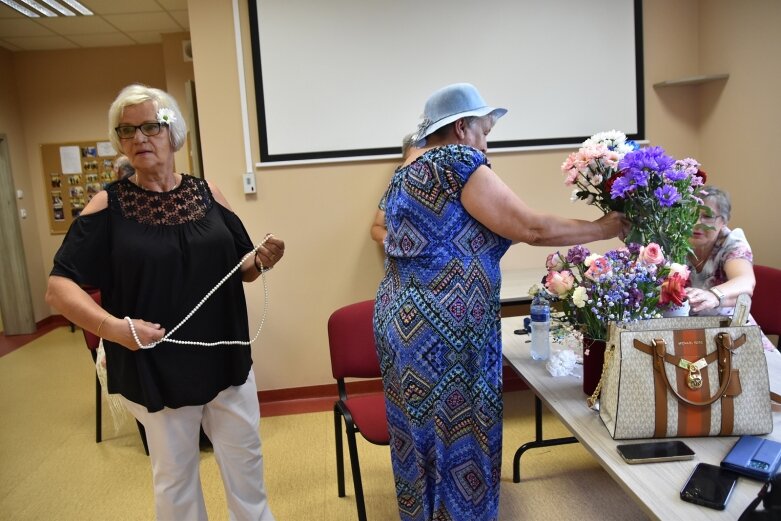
(178, 72)
(13, 125)
(64, 96)
(324, 212)
(739, 122)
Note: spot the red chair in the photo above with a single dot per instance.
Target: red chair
(92, 344)
(353, 355)
(764, 303)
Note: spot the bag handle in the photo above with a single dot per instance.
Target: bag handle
(724, 345)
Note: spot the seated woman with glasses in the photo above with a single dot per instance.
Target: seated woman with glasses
(722, 263)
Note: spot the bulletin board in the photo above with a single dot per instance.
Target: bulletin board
(73, 173)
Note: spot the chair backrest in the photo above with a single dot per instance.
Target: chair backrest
(765, 302)
(351, 341)
(92, 340)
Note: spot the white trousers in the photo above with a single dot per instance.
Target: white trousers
(231, 421)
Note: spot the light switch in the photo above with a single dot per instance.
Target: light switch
(249, 183)
(23, 213)
(19, 194)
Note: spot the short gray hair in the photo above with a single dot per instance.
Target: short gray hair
(135, 95)
(720, 198)
(123, 167)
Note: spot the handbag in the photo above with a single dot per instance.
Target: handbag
(684, 376)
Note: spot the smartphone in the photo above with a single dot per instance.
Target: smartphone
(654, 451)
(709, 486)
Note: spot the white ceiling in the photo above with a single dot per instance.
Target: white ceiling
(116, 22)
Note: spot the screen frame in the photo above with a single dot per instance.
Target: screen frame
(269, 157)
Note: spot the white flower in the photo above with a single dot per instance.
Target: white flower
(166, 116)
(574, 196)
(612, 139)
(579, 296)
(591, 258)
(534, 289)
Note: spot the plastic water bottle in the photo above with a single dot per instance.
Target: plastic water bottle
(540, 324)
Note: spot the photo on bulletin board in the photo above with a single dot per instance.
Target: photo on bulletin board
(73, 174)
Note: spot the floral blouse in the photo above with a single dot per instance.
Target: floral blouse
(731, 244)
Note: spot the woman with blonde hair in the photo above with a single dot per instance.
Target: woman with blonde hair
(155, 243)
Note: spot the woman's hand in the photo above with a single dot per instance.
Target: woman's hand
(701, 299)
(270, 253)
(118, 330)
(615, 224)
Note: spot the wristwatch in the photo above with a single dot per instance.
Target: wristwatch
(719, 295)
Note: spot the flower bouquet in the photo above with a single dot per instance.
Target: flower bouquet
(592, 170)
(623, 285)
(657, 193)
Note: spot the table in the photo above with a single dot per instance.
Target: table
(516, 284)
(654, 486)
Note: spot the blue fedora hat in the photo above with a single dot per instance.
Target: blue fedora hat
(449, 104)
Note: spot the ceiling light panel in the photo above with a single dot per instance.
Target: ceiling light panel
(41, 9)
(22, 9)
(58, 7)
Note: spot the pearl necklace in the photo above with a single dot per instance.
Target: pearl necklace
(167, 337)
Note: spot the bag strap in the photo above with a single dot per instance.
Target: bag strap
(671, 359)
(746, 515)
(724, 344)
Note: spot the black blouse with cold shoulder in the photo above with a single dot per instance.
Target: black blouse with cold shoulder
(154, 256)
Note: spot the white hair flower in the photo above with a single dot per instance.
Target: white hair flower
(166, 116)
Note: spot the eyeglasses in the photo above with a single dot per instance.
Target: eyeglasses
(708, 219)
(147, 129)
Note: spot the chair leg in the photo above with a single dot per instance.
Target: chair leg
(356, 468)
(142, 432)
(98, 409)
(339, 451)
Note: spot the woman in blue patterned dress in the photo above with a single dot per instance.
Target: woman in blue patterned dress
(450, 219)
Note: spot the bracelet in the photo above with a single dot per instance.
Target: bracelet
(97, 333)
(719, 295)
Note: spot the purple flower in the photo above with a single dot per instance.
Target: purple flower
(624, 185)
(649, 158)
(635, 297)
(577, 254)
(675, 174)
(667, 195)
(634, 248)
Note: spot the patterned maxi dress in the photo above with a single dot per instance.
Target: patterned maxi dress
(438, 339)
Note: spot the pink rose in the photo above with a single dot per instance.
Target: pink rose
(651, 254)
(680, 269)
(600, 267)
(559, 282)
(554, 262)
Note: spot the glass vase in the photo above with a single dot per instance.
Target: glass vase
(593, 359)
(677, 311)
